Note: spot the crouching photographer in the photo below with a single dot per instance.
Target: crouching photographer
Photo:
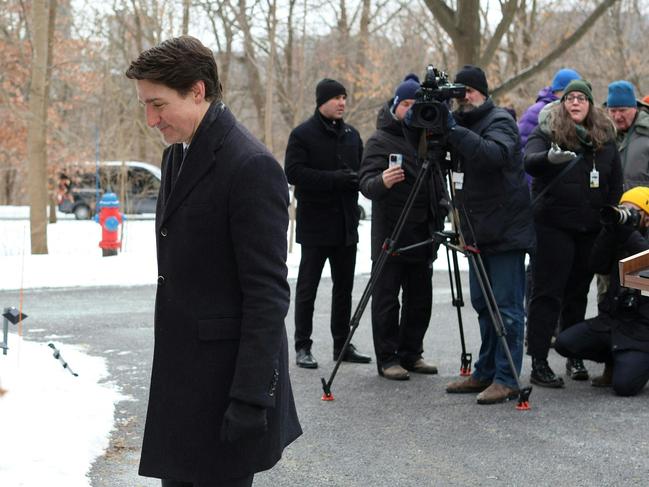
(619, 335)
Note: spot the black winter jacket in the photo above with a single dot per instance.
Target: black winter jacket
(571, 204)
(494, 201)
(623, 311)
(326, 215)
(387, 204)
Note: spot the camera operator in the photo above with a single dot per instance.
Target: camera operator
(619, 335)
(388, 173)
(494, 205)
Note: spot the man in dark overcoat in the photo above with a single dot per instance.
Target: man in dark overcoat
(220, 406)
(322, 160)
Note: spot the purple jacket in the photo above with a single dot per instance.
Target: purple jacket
(530, 119)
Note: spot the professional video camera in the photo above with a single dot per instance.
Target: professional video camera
(429, 111)
(620, 215)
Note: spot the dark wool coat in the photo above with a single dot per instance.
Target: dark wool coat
(387, 204)
(325, 215)
(494, 202)
(629, 325)
(571, 204)
(220, 305)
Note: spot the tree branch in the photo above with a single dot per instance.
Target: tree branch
(445, 15)
(568, 42)
(508, 16)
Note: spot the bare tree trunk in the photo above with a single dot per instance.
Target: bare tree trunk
(250, 61)
(37, 128)
(270, 67)
(50, 48)
(186, 5)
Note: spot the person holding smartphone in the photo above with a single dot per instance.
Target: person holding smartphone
(387, 174)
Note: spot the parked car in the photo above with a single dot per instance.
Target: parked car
(135, 183)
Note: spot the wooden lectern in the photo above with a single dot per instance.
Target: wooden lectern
(631, 267)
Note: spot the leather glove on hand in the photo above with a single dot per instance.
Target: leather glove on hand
(558, 156)
(243, 421)
(345, 179)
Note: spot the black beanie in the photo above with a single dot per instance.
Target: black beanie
(327, 89)
(474, 77)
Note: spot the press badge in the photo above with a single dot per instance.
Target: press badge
(594, 178)
(458, 179)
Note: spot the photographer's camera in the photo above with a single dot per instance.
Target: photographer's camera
(620, 215)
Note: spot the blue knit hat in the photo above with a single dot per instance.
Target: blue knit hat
(562, 78)
(407, 90)
(621, 94)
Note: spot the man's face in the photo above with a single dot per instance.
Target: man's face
(623, 117)
(334, 108)
(402, 108)
(644, 218)
(175, 116)
(472, 100)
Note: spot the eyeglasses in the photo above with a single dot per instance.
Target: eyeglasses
(579, 98)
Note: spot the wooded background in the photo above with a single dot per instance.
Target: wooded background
(64, 97)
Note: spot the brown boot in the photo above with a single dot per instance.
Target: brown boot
(421, 367)
(496, 393)
(395, 372)
(466, 386)
(604, 380)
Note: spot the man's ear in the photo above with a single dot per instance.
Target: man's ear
(198, 91)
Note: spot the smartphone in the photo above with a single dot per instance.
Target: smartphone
(395, 160)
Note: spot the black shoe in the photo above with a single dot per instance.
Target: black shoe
(542, 375)
(304, 359)
(352, 355)
(575, 369)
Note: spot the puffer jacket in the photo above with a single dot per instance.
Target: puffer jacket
(530, 119)
(571, 204)
(494, 200)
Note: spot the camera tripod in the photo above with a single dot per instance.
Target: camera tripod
(432, 149)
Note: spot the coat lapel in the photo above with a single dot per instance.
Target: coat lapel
(200, 157)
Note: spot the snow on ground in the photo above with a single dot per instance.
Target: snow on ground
(75, 259)
(53, 424)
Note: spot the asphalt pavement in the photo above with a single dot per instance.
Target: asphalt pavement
(376, 432)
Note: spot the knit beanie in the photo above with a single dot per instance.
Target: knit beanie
(562, 78)
(580, 85)
(621, 94)
(639, 196)
(328, 89)
(473, 77)
(407, 90)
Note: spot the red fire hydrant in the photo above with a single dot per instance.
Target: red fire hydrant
(110, 218)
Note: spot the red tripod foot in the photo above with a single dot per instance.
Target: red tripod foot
(326, 395)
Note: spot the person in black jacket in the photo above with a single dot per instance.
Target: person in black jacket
(619, 335)
(566, 217)
(220, 405)
(493, 202)
(388, 172)
(322, 160)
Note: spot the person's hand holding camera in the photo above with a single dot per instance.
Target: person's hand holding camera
(558, 156)
(243, 421)
(392, 176)
(345, 179)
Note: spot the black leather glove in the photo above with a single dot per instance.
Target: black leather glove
(243, 421)
(345, 179)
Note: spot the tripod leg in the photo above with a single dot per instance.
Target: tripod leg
(458, 303)
(497, 321)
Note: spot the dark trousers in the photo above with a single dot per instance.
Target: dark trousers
(561, 280)
(240, 482)
(401, 340)
(342, 261)
(630, 367)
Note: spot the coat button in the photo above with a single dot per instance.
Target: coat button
(161, 280)
(163, 231)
